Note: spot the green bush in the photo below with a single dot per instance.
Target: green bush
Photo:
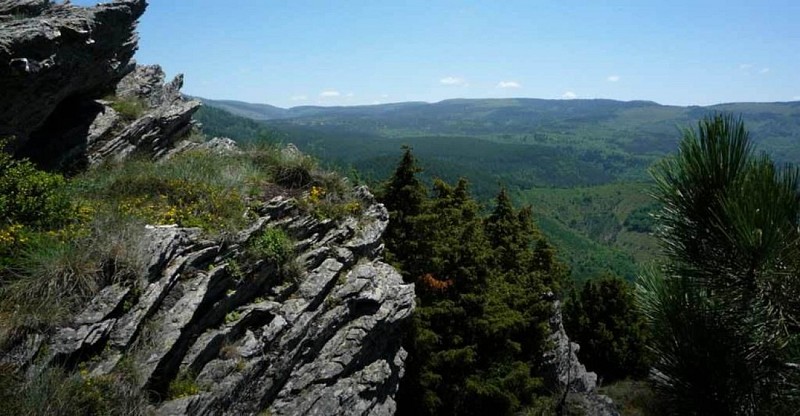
(273, 245)
(333, 202)
(30, 200)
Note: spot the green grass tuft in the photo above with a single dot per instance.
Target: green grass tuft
(128, 108)
(183, 385)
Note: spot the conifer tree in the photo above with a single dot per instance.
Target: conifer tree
(724, 310)
(508, 234)
(480, 325)
(404, 196)
(604, 319)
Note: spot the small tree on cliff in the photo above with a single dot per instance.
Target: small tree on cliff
(480, 325)
(404, 195)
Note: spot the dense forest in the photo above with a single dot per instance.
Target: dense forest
(582, 164)
(715, 325)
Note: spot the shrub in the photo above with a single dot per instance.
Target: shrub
(30, 200)
(604, 319)
(273, 245)
(335, 202)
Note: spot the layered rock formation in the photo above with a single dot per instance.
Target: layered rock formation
(325, 340)
(65, 73)
(166, 118)
(251, 336)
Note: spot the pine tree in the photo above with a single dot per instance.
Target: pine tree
(725, 309)
(509, 234)
(404, 196)
(451, 282)
(480, 324)
(604, 319)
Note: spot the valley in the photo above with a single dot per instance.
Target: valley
(582, 164)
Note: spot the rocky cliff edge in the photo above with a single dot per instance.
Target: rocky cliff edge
(72, 94)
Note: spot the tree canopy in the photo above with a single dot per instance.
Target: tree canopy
(479, 330)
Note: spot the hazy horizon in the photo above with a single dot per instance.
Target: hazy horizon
(492, 98)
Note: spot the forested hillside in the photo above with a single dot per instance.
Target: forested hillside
(582, 164)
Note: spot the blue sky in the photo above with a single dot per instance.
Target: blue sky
(298, 52)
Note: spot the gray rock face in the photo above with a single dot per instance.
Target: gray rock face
(566, 372)
(63, 71)
(166, 117)
(562, 360)
(324, 340)
(49, 53)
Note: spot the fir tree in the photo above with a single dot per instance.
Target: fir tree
(604, 319)
(481, 320)
(404, 196)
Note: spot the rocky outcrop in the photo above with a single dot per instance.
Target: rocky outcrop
(320, 334)
(72, 96)
(323, 340)
(51, 53)
(166, 118)
(565, 372)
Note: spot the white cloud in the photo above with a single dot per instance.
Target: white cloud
(299, 98)
(763, 70)
(612, 78)
(453, 81)
(329, 94)
(350, 94)
(569, 95)
(796, 98)
(376, 103)
(745, 67)
(384, 95)
(508, 84)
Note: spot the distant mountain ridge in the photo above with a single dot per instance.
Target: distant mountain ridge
(259, 111)
(270, 112)
(640, 129)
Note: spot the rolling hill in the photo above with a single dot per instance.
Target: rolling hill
(582, 164)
